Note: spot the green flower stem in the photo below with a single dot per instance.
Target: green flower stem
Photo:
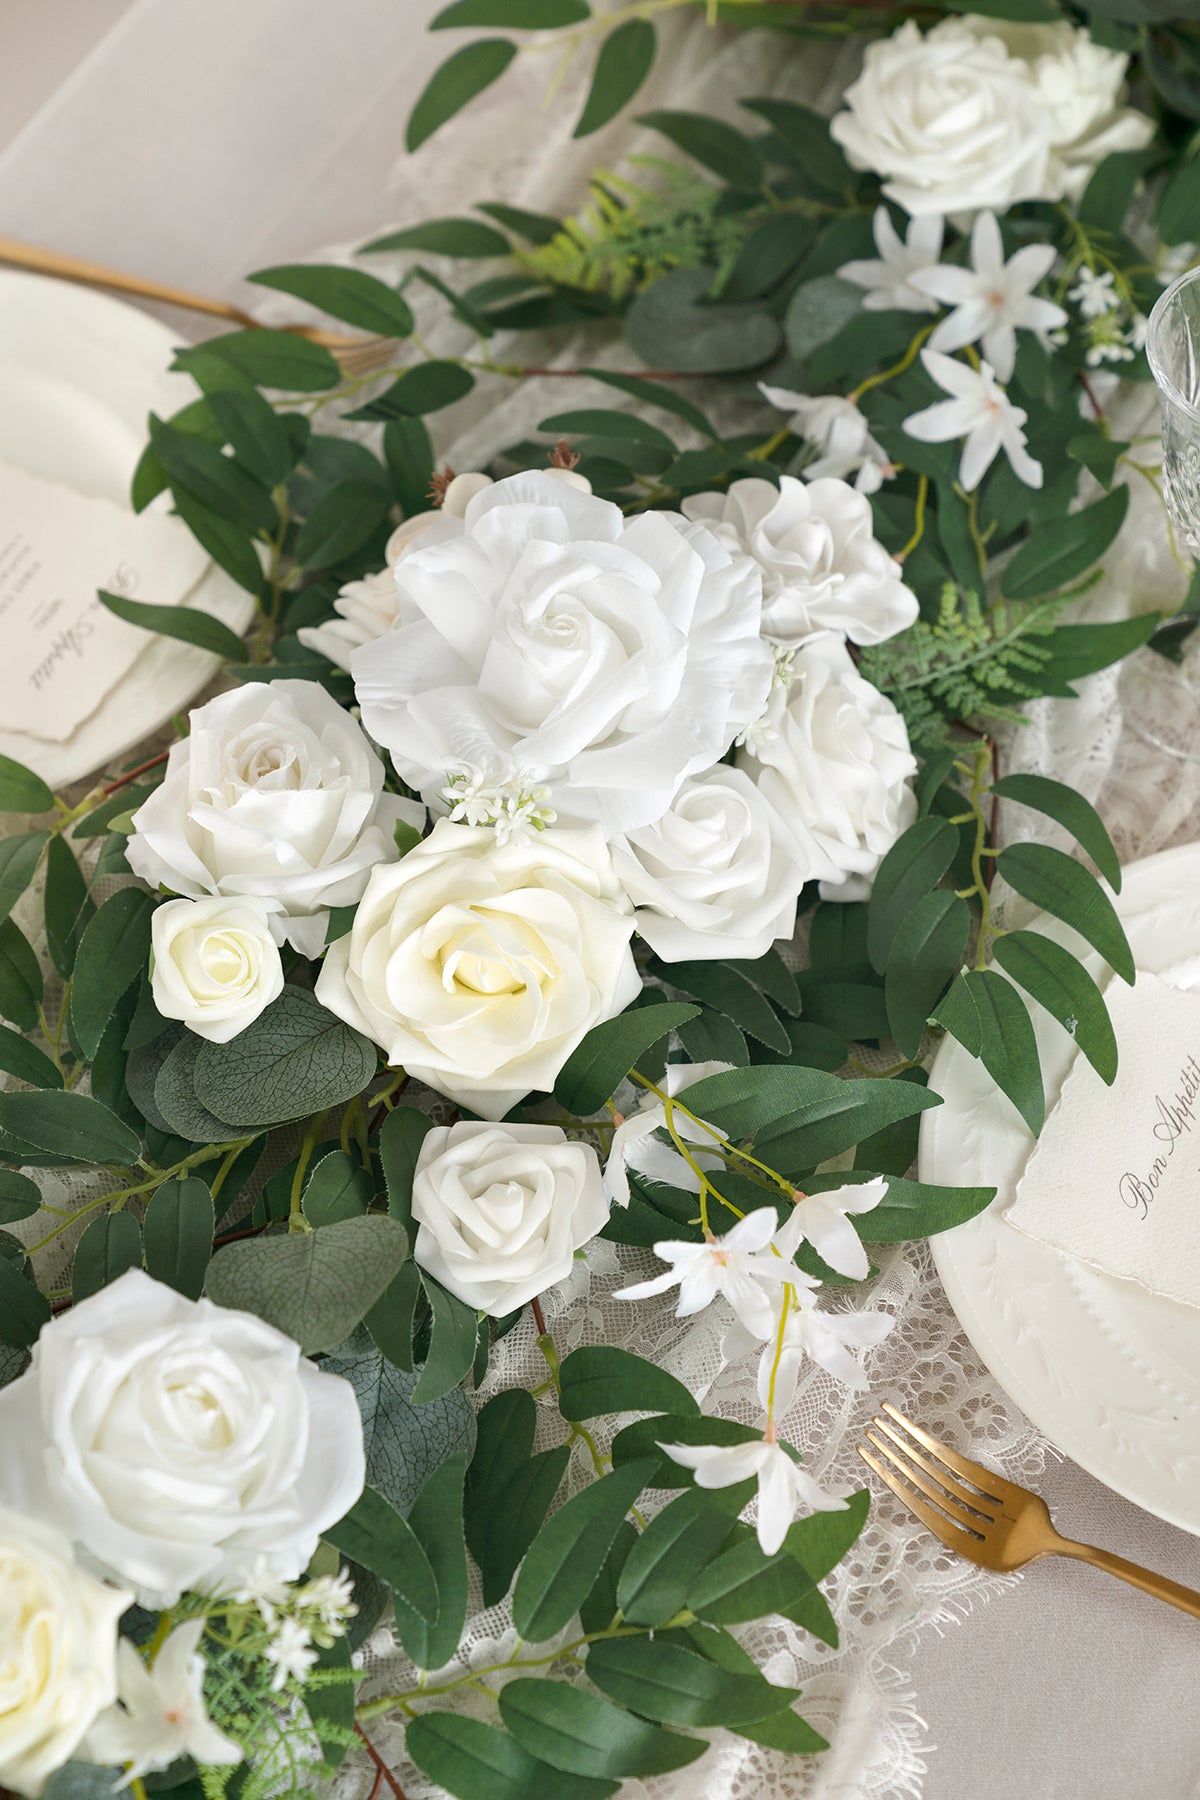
(579, 1433)
(296, 1218)
(722, 1146)
(979, 849)
(919, 519)
(118, 1196)
(897, 368)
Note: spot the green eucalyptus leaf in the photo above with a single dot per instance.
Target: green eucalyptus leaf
(567, 1554)
(1059, 982)
(175, 1100)
(455, 84)
(294, 1060)
(404, 1443)
(314, 1285)
(584, 1735)
(178, 1234)
(671, 324)
(71, 1126)
(625, 59)
(338, 1188)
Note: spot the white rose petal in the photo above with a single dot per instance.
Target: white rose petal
(366, 609)
(479, 966)
(58, 1649)
(718, 875)
(216, 965)
(502, 1209)
(822, 566)
(835, 761)
(609, 658)
(177, 1441)
(277, 794)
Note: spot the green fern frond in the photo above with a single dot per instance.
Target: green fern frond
(627, 235)
(957, 665)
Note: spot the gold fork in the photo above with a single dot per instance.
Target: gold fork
(355, 354)
(983, 1517)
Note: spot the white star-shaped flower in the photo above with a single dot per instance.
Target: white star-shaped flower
(890, 282)
(993, 299)
(736, 1265)
(837, 429)
(980, 412)
(291, 1652)
(783, 1485)
(161, 1715)
(635, 1146)
(827, 1339)
(820, 1220)
(1094, 293)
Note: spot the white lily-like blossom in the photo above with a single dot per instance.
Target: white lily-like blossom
(978, 411)
(636, 1146)
(809, 1331)
(161, 1715)
(993, 299)
(740, 1265)
(837, 429)
(783, 1485)
(822, 1221)
(891, 282)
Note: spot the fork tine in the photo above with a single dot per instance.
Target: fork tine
(985, 1479)
(956, 1489)
(958, 1511)
(957, 1538)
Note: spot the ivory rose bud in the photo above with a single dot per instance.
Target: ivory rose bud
(178, 1441)
(502, 1209)
(216, 965)
(478, 966)
(277, 794)
(58, 1650)
(822, 565)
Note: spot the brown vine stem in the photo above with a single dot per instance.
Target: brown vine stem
(539, 1317)
(383, 1773)
(152, 762)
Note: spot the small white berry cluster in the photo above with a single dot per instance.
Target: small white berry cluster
(502, 795)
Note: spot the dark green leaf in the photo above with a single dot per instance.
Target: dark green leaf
(23, 1311)
(535, 228)
(676, 1545)
(989, 1018)
(20, 1197)
(72, 1126)
(338, 1188)
(272, 359)
(178, 1233)
(404, 1443)
(654, 393)
(584, 1735)
(600, 1378)
(425, 388)
(513, 1515)
(400, 1139)
(66, 906)
(911, 869)
(1060, 983)
(665, 1682)
(567, 1555)
(294, 1060)
(350, 294)
(175, 1098)
(437, 1520)
(455, 84)
(672, 324)
(598, 421)
(314, 1285)
(390, 1320)
(806, 135)
(713, 1038)
(474, 1761)
(801, 1117)
(511, 15)
(20, 1057)
(911, 1209)
(185, 623)
(504, 1441)
(642, 1439)
(451, 1345)
(1055, 554)
(215, 479)
(444, 237)
(21, 985)
(1071, 810)
(340, 523)
(374, 1534)
(723, 986)
(1058, 884)
(926, 953)
(745, 1583)
(113, 951)
(19, 858)
(626, 58)
(21, 791)
(409, 457)
(597, 1066)
(108, 1248)
(728, 152)
(785, 1731)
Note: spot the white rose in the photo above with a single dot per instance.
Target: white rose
(832, 755)
(215, 964)
(502, 1209)
(606, 658)
(178, 1441)
(1077, 84)
(719, 874)
(58, 1650)
(275, 793)
(822, 565)
(478, 966)
(366, 609)
(949, 119)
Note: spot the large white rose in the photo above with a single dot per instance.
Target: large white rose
(275, 793)
(502, 1209)
(58, 1650)
(720, 873)
(822, 565)
(479, 966)
(216, 965)
(605, 658)
(177, 1441)
(1078, 85)
(832, 755)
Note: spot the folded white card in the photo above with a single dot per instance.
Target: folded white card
(63, 652)
(1115, 1177)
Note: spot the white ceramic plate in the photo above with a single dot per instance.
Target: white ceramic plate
(1107, 1371)
(79, 372)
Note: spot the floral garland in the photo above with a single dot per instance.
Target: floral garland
(507, 804)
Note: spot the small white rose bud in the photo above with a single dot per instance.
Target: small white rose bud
(571, 479)
(215, 964)
(461, 491)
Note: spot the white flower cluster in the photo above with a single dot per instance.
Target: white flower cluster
(1114, 328)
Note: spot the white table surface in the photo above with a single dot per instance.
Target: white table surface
(194, 140)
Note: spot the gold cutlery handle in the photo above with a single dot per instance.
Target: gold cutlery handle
(88, 274)
(1173, 1592)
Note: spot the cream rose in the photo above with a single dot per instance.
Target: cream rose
(606, 658)
(832, 755)
(275, 793)
(478, 966)
(822, 565)
(719, 874)
(58, 1650)
(215, 964)
(502, 1209)
(178, 1441)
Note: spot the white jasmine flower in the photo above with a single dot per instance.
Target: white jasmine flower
(264, 1588)
(1139, 325)
(978, 411)
(826, 1338)
(332, 1597)
(497, 792)
(291, 1653)
(782, 1484)
(838, 431)
(1094, 293)
(821, 1220)
(890, 282)
(735, 1265)
(993, 299)
(635, 1145)
(1174, 259)
(161, 1715)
